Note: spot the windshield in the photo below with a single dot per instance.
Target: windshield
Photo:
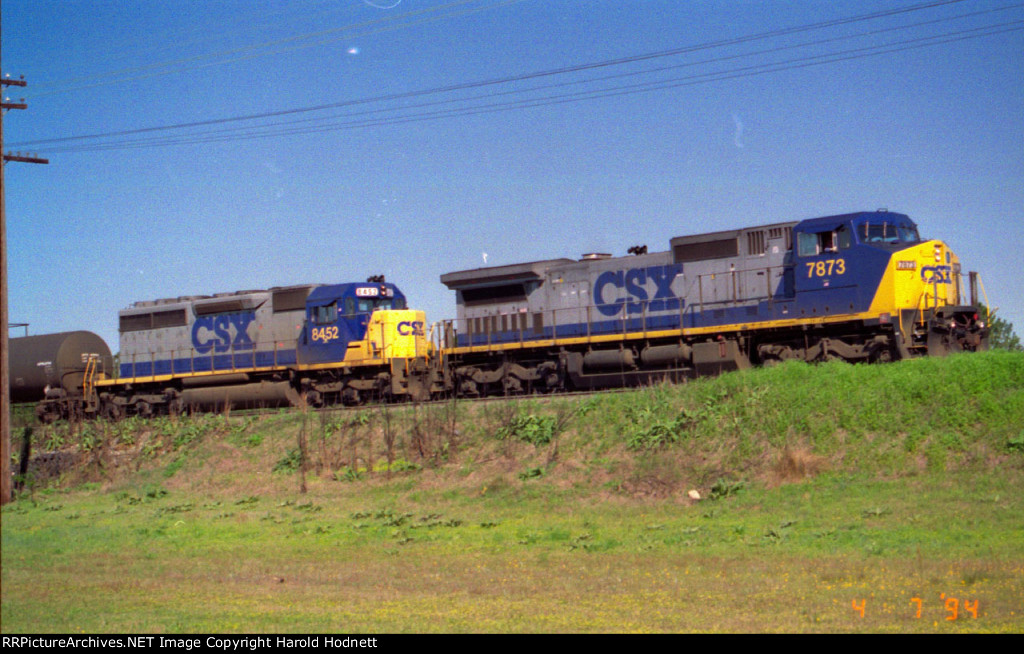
(888, 233)
(369, 305)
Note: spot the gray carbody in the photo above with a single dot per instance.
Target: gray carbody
(731, 268)
(173, 320)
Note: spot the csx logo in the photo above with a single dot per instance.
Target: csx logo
(407, 328)
(936, 274)
(617, 288)
(214, 332)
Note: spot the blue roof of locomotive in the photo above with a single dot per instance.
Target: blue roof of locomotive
(815, 224)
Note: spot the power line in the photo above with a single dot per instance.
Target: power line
(256, 131)
(510, 79)
(279, 46)
(643, 87)
(484, 103)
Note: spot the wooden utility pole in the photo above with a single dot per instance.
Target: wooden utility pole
(5, 372)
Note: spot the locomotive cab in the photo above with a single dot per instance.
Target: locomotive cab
(906, 292)
(342, 323)
(833, 271)
(360, 339)
(916, 283)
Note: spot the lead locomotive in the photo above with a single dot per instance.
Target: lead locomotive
(860, 287)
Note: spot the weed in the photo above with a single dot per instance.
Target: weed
(176, 508)
(348, 474)
(779, 533)
(531, 473)
(290, 462)
(154, 492)
(529, 428)
(724, 488)
(651, 432)
(874, 513)
(174, 466)
(398, 465)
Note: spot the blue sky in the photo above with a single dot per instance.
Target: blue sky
(920, 112)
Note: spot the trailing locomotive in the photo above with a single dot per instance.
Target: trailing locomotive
(284, 346)
(859, 287)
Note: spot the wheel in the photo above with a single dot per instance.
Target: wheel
(313, 399)
(143, 409)
(111, 411)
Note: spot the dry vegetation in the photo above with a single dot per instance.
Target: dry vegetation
(822, 489)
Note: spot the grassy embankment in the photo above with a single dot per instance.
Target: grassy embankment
(826, 491)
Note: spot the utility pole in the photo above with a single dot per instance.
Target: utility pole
(5, 378)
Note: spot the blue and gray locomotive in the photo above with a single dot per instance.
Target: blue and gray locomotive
(860, 287)
(311, 344)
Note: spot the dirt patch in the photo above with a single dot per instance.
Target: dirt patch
(798, 463)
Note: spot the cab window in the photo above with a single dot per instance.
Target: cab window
(843, 237)
(908, 234)
(816, 243)
(888, 233)
(807, 245)
(326, 314)
(370, 304)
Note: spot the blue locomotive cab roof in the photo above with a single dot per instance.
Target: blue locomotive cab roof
(880, 229)
(357, 298)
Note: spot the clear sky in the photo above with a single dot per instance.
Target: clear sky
(414, 138)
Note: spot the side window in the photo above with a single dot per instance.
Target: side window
(807, 245)
(327, 314)
(843, 237)
(810, 245)
(350, 306)
(826, 242)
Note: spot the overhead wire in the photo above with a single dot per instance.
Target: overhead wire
(277, 46)
(700, 78)
(563, 70)
(198, 35)
(484, 103)
(264, 126)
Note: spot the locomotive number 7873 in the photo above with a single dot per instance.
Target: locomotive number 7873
(826, 268)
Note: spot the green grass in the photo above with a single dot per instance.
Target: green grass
(825, 489)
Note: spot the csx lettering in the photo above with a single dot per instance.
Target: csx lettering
(632, 285)
(936, 274)
(407, 328)
(214, 332)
